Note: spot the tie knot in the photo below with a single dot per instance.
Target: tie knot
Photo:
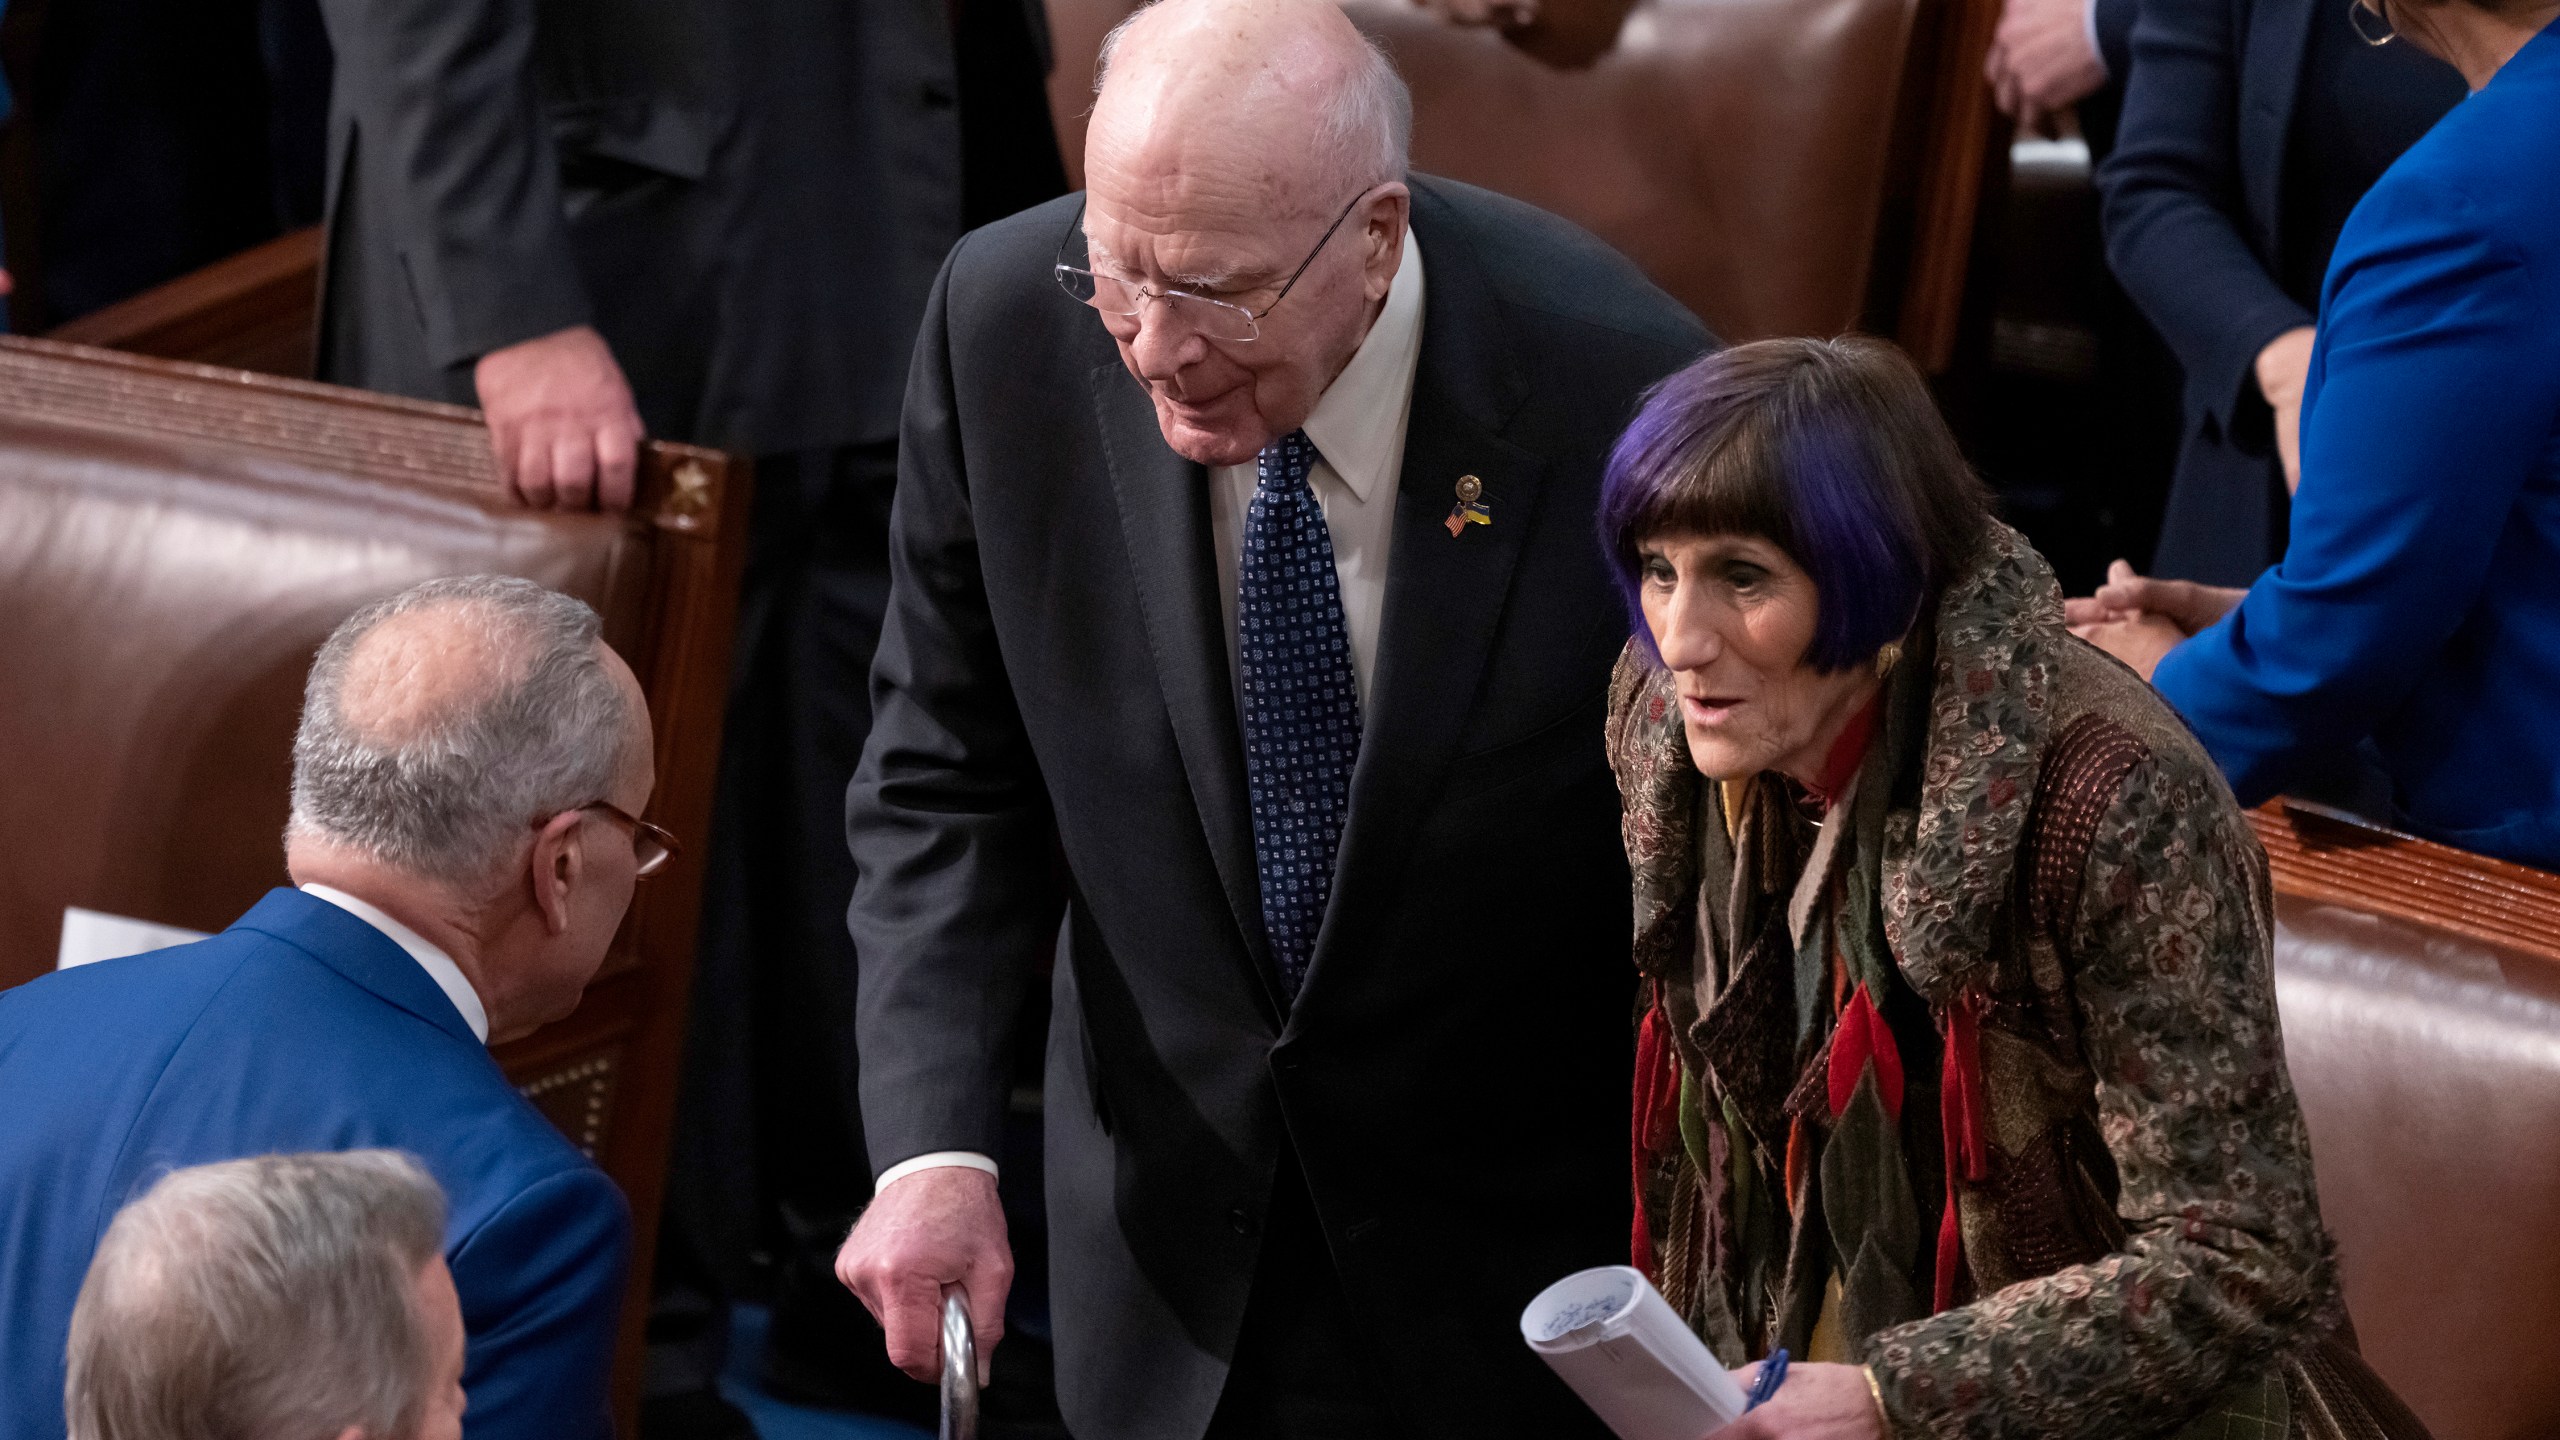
(1286, 461)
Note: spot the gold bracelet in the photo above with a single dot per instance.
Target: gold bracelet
(1875, 1391)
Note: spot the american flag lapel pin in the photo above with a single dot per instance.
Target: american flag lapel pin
(1471, 509)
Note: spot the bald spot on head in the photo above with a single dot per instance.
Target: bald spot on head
(1210, 108)
(415, 674)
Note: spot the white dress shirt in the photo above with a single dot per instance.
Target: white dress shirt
(1358, 427)
(438, 965)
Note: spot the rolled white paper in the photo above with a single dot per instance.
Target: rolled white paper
(1616, 1341)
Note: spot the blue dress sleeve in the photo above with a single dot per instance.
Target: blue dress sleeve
(2423, 420)
(541, 1283)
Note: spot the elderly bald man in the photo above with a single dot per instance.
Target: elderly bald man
(1247, 652)
(467, 778)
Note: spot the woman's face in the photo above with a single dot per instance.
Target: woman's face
(1733, 616)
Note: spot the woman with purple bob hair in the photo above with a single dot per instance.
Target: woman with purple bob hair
(1959, 1076)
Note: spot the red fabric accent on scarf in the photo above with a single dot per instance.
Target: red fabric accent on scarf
(1967, 1137)
(1840, 762)
(1863, 1039)
(1656, 1122)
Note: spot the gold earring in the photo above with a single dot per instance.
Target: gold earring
(1888, 656)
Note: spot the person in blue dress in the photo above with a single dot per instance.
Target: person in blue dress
(2418, 601)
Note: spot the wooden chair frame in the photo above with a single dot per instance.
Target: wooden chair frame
(2319, 854)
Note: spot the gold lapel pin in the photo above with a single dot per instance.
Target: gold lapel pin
(1471, 509)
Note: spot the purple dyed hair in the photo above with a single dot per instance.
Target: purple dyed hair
(1832, 450)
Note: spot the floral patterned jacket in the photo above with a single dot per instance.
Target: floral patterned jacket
(2160, 1285)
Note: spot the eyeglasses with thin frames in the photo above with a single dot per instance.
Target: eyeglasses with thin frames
(652, 846)
(1214, 318)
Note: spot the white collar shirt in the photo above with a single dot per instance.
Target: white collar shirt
(1358, 427)
(438, 965)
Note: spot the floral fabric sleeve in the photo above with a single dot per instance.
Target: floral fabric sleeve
(2225, 1259)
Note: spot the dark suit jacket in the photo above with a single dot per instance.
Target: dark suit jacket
(749, 198)
(2195, 225)
(299, 1028)
(2103, 109)
(1056, 737)
(2191, 197)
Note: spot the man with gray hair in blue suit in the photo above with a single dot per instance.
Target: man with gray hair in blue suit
(468, 778)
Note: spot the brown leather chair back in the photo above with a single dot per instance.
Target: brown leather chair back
(1781, 167)
(2420, 994)
(176, 541)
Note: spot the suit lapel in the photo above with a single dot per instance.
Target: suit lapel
(1445, 593)
(1164, 513)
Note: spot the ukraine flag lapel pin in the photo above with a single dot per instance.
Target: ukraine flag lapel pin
(1471, 509)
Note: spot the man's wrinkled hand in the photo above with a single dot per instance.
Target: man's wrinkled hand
(1816, 1402)
(562, 425)
(927, 1231)
(2041, 61)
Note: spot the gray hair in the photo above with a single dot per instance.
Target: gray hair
(264, 1299)
(450, 797)
(1367, 130)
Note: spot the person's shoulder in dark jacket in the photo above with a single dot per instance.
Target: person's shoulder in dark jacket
(1543, 264)
(1582, 333)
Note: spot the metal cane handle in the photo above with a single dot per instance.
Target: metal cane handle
(959, 1369)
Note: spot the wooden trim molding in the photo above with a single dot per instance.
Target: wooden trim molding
(1963, 136)
(2316, 853)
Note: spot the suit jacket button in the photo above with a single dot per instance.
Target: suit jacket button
(1241, 1219)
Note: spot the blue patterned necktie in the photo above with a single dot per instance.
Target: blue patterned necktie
(1301, 712)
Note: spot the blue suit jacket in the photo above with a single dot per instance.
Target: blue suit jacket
(2419, 598)
(299, 1028)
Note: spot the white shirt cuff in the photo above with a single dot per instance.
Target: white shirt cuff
(934, 1160)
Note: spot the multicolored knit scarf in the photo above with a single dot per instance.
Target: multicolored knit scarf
(1797, 1176)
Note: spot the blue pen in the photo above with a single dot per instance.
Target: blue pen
(1773, 1373)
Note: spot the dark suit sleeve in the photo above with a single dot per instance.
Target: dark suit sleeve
(2174, 209)
(2102, 110)
(541, 1284)
(2114, 24)
(947, 815)
(450, 121)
